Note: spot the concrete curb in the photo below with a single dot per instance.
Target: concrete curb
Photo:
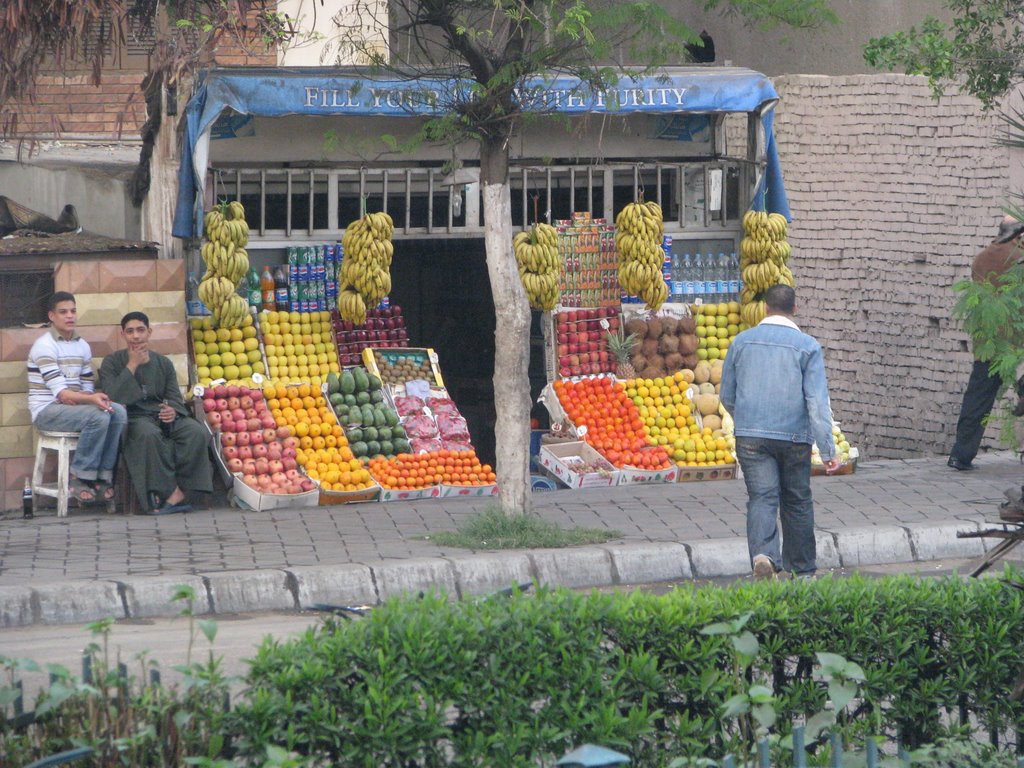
(356, 584)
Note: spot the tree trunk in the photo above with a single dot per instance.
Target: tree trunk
(511, 336)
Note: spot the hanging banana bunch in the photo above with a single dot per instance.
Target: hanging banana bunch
(227, 263)
(763, 256)
(639, 229)
(536, 252)
(364, 278)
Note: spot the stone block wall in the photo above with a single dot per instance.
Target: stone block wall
(892, 194)
(104, 292)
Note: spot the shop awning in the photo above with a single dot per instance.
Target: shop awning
(279, 91)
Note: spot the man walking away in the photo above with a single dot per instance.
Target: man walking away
(983, 386)
(774, 385)
(62, 398)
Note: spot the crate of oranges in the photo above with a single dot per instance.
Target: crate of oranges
(437, 473)
(323, 452)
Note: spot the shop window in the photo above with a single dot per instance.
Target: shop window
(23, 297)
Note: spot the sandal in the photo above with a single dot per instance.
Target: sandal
(82, 491)
(104, 490)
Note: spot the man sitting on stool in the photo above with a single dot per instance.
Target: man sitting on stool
(165, 450)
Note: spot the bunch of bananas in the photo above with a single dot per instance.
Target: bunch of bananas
(364, 278)
(639, 229)
(536, 252)
(763, 256)
(227, 263)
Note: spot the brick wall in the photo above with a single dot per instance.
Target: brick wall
(104, 292)
(892, 194)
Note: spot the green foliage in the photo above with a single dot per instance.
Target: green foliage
(493, 529)
(984, 46)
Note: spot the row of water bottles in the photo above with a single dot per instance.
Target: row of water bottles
(704, 278)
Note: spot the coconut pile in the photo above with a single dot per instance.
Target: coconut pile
(667, 344)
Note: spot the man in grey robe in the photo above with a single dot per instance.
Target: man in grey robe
(165, 448)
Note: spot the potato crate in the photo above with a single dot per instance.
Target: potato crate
(331, 498)
(468, 491)
(255, 500)
(410, 494)
(559, 458)
(688, 474)
(631, 475)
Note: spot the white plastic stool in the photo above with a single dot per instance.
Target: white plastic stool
(63, 443)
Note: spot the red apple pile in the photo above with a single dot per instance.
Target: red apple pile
(581, 342)
(384, 327)
(252, 444)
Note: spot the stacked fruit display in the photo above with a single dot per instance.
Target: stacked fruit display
(299, 346)
(845, 450)
(222, 353)
(364, 279)
(252, 444)
(433, 424)
(669, 419)
(425, 470)
(581, 343)
(400, 366)
(665, 344)
(763, 256)
(536, 252)
(638, 237)
(717, 326)
(612, 421)
(323, 450)
(371, 425)
(227, 263)
(384, 327)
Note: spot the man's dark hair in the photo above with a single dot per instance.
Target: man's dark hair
(57, 298)
(140, 316)
(780, 298)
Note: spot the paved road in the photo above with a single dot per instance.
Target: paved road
(91, 565)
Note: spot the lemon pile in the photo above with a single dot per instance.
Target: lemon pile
(299, 346)
(226, 353)
(717, 326)
(669, 420)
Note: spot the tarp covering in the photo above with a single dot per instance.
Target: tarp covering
(279, 91)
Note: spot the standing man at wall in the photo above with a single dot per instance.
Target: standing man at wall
(774, 385)
(62, 398)
(166, 449)
(983, 386)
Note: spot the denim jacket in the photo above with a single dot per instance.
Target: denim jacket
(774, 385)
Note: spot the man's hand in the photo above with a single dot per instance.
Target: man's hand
(166, 413)
(137, 355)
(101, 401)
(832, 465)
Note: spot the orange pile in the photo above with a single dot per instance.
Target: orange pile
(424, 470)
(613, 423)
(322, 448)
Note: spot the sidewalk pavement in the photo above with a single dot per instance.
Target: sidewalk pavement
(92, 565)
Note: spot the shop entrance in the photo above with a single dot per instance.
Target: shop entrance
(445, 294)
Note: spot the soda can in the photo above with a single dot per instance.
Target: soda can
(293, 297)
(385, 303)
(666, 242)
(327, 254)
(321, 295)
(331, 288)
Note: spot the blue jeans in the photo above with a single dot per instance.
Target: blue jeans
(778, 478)
(99, 437)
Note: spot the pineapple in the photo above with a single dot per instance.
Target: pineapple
(622, 346)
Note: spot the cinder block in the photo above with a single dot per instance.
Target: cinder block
(576, 567)
(16, 442)
(486, 573)
(405, 577)
(14, 410)
(648, 562)
(15, 343)
(342, 585)
(170, 338)
(101, 309)
(78, 602)
(719, 557)
(16, 606)
(872, 545)
(103, 339)
(159, 306)
(260, 590)
(151, 596)
(130, 276)
(13, 378)
(938, 540)
(13, 472)
(170, 275)
(76, 277)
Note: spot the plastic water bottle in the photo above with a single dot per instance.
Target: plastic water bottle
(26, 501)
(734, 277)
(699, 286)
(687, 278)
(676, 293)
(722, 277)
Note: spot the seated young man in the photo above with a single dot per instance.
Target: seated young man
(62, 398)
(166, 449)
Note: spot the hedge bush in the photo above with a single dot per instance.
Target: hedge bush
(520, 681)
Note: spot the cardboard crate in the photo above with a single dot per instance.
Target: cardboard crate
(697, 474)
(331, 498)
(417, 353)
(632, 475)
(253, 499)
(406, 494)
(556, 459)
(468, 491)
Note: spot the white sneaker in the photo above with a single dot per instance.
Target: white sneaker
(763, 568)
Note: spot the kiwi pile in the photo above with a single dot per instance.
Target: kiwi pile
(402, 368)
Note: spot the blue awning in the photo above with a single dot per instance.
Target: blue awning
(279, 91)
